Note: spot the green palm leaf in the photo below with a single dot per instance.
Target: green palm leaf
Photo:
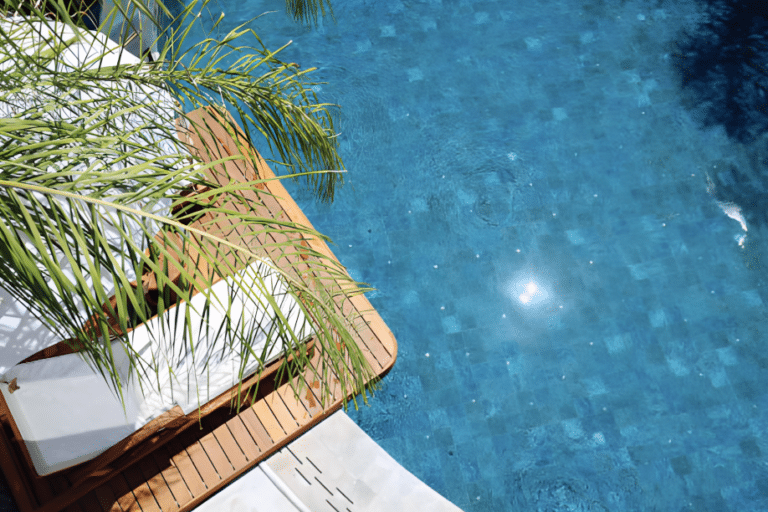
(93, 193)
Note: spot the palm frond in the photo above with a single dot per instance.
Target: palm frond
(94, 182)
(307, 10)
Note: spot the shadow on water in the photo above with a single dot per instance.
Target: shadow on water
(722, 64)
(722, 67)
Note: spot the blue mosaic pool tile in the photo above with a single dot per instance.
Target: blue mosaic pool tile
(454, 483)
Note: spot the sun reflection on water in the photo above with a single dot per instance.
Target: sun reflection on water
(528, 290)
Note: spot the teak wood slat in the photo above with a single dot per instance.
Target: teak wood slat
(243, 438)
(157, 484)
(180, 467)
(297, 408)
(229, 447)
(281, 412)
(180, 459)
(267, 418)
(203, 465)
(218, 458)
(172, 477)
(144, 497)
(219, 468)
(256, 428)
(125, 498)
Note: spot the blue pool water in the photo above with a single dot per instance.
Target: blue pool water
(580, 324)
(493, 144)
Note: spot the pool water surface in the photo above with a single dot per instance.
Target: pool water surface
(580, 323)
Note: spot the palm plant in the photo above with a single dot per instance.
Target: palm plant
(95, 181)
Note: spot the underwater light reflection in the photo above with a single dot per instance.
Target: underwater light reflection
(528, 290)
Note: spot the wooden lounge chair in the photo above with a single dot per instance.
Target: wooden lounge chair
(63, 415)
(67, 414)
(102, 480)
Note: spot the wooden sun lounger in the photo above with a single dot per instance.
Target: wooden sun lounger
(166, 465)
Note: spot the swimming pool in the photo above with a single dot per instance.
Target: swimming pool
(495, 144)
(579, 322)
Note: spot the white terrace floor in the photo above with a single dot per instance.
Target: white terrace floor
(333, 467)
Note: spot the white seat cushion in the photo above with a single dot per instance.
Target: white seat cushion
(68, 414)
(255, 319)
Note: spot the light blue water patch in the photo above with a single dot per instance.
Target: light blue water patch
(595, 386)
(573, 429)
(587, 37)
(388, 31)
(414, 74)
(658, 318)
(718, 377)
(411, 298)
(428, 24)
(451, 325)
(482, 18)
(727, 356)
(678, 366)
(575, 237)
(752, 298)
(533, 43)
(646, 270)
(363, 46)
(419, 205)
(618, 343)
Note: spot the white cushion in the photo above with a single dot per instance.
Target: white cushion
(191, 375)
(68, 414)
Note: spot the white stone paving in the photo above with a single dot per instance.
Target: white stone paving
(335, 466)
